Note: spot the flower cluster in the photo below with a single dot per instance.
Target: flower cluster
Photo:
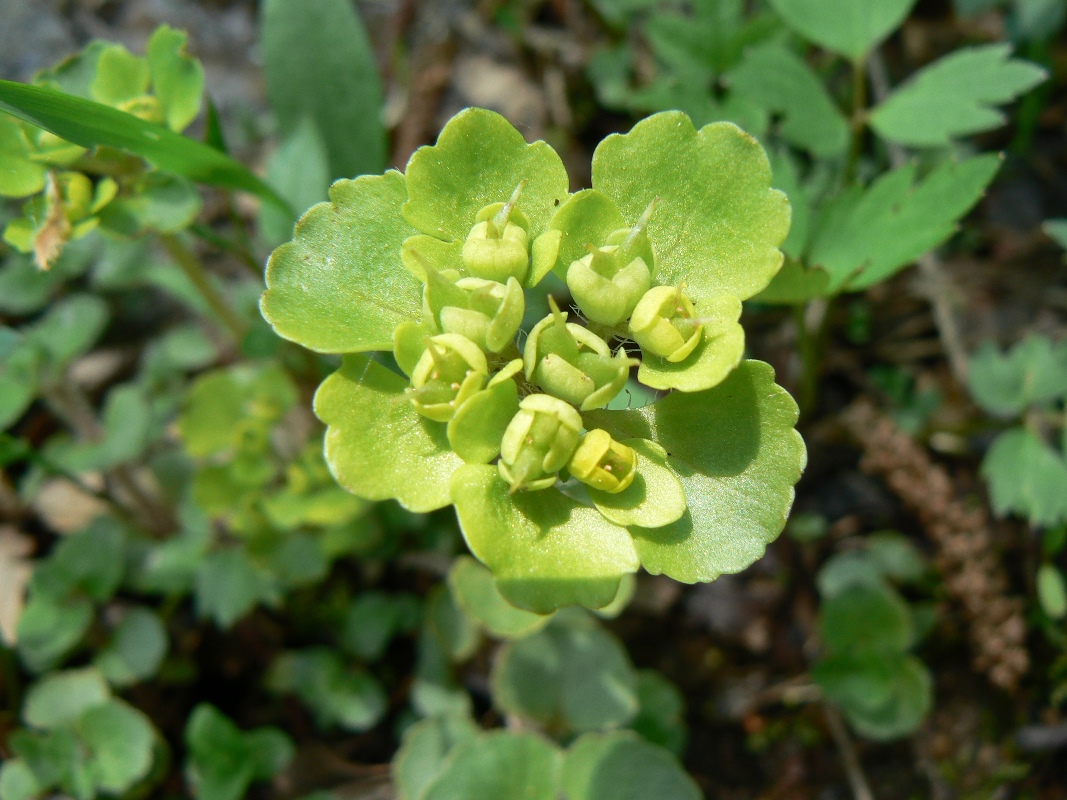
(557, 493)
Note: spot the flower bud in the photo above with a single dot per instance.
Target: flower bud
(603, 463)
(449, 372)
(605, 289)
(664, 323)
(498, 246)
(538, 442)
(573, 363)
(491, 315)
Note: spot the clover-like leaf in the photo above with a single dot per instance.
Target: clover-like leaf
(735, 450)
(718, 225)
(619, 765)
(545, 549)
(844, 26)
(719, 351)
(118, 741)
(573, 675)
(478, 160)
(1034, 372)
(655, 498)
(338, 286)
(1026, 477)
(377, 445)
(476, 593)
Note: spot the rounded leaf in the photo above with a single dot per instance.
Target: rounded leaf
(719, 351)
(622, 766)
(476, 593)
(654, 499)
(718, 224)
(498, 765)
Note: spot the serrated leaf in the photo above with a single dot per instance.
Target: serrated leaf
(475, 591)
(89, 124)
(1033, 372)
(136, 650)
(323, 44)
(423, 749)
(866, 235)
(377, 445)
(60, 698)
(336, 694)
(844, 26)
(338, 287)
(1026, 477)
(573, 673)
(718, 224)
(118, 741)
(955, 96)
(480, 159)
(498, 764)
(621, 766)
(544, 549)
(721, 444)
(773, 77)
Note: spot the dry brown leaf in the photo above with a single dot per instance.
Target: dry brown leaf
(15, 571)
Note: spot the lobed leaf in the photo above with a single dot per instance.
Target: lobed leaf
(1026, 477)
(955, 96)
(338, 286)
(718, 225)
(737, 455)
(1034, 372)
(844, 26)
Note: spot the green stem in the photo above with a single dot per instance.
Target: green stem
(239, 251)
(859, 118)
(197, 275)
(811, 343)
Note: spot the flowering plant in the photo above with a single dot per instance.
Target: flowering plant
(558, 493)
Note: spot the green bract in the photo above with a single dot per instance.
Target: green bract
(680, 226)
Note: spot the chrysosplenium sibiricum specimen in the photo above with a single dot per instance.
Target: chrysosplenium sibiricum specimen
(559, 490)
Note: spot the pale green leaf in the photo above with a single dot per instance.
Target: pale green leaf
(339, 287)
(475, 591)
(89, 124)
(955, 96)
(1052, 591)
(49, 629)
(422, 752)
(718, 224)
(1033, 372)
(157, 202)
(480, 159)
(654, 499)
(795, 285)
(544, 549)
(177, 78)
(136, 649)
(61, 697)
(621, 766)
(19, 176)
(738, 457)
(319, 63)
(120, 76)
(844, 26)
(866, 235)
(1026, 477)
(498, 765)
(573, 673)
(119, 743)
(17, 781)
(377, 445)
(298, 170)
(776, 79)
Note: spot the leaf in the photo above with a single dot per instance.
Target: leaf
(1026, 477)
(621, 766)
(736, 453)
(228, 586)
(136, 650)
(544, 549)
(955, 96)
(475, 591)
(1056, 229)
(177, 78)
(446, 620)
(866, 235)
(223, 760)
(1034, 372)
(572, 674)
(15, 572)
(60, 698)
(157, 202)
(70, 328)
(127, 422)
(90, 124)
(423, 749)
(499, 764)
(298, 170)
(865, 616)
(1052, 591)
(654, 499)
(795, 285)
(480, 159)
(843, 26)
(319, 64)
(372, 620)
(774, 78)
(349, 698)
(49, 629)
(119, 742)
(338, 287)
(17, 781)
(718, 225)
(661, 717)
(20, 175)
(377, 445)
(91, 562)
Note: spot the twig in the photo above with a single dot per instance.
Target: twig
(935, 286)
(861, 790)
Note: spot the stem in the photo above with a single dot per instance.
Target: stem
(238, 249)
(859, 118)
(812, 324)
(197, 275)
(861, 790)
